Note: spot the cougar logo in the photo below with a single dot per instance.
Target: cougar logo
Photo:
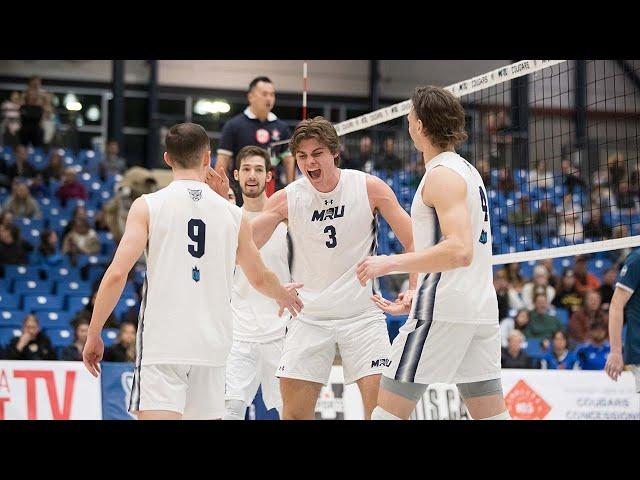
(195, 194)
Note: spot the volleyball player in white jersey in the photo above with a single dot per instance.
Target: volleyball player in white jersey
(330, 214)
(192, 238)
(452, 334)
(258, 331)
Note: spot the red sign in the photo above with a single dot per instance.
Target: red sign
(524, 403)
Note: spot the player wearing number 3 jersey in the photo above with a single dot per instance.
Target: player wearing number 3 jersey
(192, 238)
(452, 333)
(331, 218)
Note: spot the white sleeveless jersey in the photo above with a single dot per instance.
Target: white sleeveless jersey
(465, 294)
(255, 317)
(330, 233)
(185, 315)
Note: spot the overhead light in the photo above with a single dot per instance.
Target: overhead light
(204, 107)
(71, 103)
(93, 113)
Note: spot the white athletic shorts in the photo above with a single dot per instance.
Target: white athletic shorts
(250, 365)
(310, 348)
(196, 392)
(445, 352)
(635, 369)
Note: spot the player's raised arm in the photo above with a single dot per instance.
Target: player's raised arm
(260, 277)
(446, 191)
(129, 250)
(275, 211)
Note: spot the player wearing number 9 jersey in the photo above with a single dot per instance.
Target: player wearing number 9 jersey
(452, 333)
(331, 219)
(192, 237)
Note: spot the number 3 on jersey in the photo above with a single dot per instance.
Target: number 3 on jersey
(333, 241)
(196, 231)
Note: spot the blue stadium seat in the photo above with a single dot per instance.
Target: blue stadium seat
(38, 303)
(74, 288)
(394, 323)
(123, 306)
(68, 274)
(7, 334)
(109, 336)
(11, 318)
(60, 336)
(32, 287)
(8, 301)
(31, 223)
(38, 161)
(55, 319)
(21, 272)
(4, 286)
(563, 315)
(534, 348)
(95, 273)
(75, 304)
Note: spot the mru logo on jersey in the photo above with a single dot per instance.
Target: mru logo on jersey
(381, 362)
(195, 274)
(328, 213)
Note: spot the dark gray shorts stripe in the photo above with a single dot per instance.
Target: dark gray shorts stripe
(412, 351)
(134, 402)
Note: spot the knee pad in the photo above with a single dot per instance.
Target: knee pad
(411, 391)
(482, 388)
(234, 410)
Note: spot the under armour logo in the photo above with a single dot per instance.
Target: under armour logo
(326, 202)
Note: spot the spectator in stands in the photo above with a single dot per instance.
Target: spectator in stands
(593, 354)
(80, 211)
(55, 170)
(506, 182)
(21, 167)
(21, 203)
(559, 357)
(10, 126)
(571, 179)
(31, 111)
(516, 283)
(540, 177)
(625, 199)
(539, 284)
(545, 221)
(388, 160)
(502, 290)
(484, 169)
(82, 239)
(73, 352)
(35, 86)
(569, 225)
(585, 280)
(6, 218)
(48, 252)
(258, 126)
(595, 228)
(523, 215)
(616, 169)
(363, 160)
(608, 287)
(33, 344)
(124, 350)
(591, 312)
(71, 187)
(513, 356)
(567, 295)
(509, 324)
(49, 121)
(12, 248)
(112, 163)
(232, 196)
(541, 324)
(551, 270)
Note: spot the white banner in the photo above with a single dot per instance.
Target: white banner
(529, 394)
(32, 390)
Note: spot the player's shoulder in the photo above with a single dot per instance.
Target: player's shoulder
(633, 258)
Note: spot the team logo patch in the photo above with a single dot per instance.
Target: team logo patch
(195, 194)
(262, 136)
(381, 362)
(195, 274)
(275, 134)
(623, 271)
(483, 237)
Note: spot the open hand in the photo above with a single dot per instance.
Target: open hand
(290, 300)
(92, 354)
(398, 307)
(614, 365)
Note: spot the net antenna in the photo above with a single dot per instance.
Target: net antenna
(305, 87)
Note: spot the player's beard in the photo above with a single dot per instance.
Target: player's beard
(254, 194)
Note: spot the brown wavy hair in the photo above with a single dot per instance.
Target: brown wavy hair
(322, 130)
(441, 114)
